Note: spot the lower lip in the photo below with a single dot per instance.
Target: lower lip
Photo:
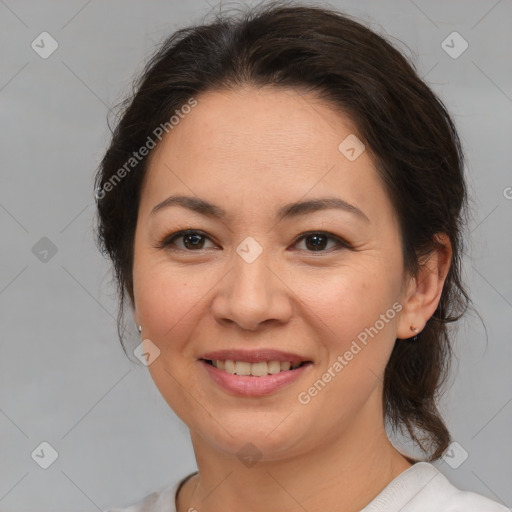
(250, 385)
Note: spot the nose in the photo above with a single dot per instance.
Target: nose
(253, 294)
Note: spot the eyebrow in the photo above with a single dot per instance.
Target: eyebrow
(284, 212)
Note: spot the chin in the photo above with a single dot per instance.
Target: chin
(253, 439)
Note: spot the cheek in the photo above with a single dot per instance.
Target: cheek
(349, 302)
(168, 301)
(355, 312)
(355, 315)
(169, 305)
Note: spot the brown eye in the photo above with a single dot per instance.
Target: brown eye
(317, 241)
(191, 240)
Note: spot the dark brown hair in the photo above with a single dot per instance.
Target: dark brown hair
(410, 135)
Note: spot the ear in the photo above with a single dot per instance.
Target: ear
(423, 291)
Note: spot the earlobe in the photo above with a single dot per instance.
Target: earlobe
(409, 325)
(423, 293)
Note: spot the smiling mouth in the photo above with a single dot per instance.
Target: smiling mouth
(259, 369)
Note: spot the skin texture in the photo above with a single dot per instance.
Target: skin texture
(250, 151)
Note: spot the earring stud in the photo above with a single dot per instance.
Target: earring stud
(139, 327)
(413, 329)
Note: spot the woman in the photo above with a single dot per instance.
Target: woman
(283, 202)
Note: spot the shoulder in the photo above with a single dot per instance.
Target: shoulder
(161, 500)
(146, 504)
(455, 500)
(423, 488)
(458, 500)
(471, 502)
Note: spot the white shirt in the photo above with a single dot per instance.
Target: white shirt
(420, 488)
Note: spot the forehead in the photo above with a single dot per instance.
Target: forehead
(261, 144)
(270, 121)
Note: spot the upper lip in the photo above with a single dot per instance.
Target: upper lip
(253, 356)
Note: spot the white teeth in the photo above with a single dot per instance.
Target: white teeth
(273, 367)
(259, 369)
(229, 366)
(242, 368)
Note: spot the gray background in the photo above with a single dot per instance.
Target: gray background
(64, 378)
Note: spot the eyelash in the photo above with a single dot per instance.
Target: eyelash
(167, 241)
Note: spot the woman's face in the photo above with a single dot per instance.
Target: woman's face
(246, 281)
